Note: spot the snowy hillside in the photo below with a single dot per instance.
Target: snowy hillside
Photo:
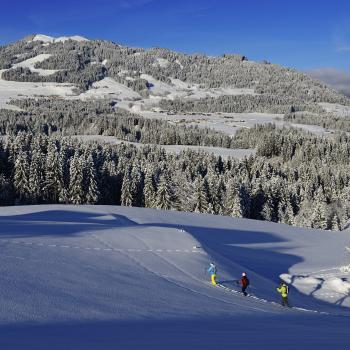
(103, 277)
(164, 84)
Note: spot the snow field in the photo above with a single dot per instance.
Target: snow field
(218, 151)
(15, 89)
(78, 276)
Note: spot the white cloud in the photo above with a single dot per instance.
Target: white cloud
(343, 48)
(338, 79)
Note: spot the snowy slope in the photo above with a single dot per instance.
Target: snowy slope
(30, 63)
(15, 89)
(103, 277)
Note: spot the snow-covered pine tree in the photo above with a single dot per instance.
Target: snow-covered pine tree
(137, 184)
(53, 185)
(126, 191)
(233, 206)
(21, 178)
(64, 158)
(268, 210)
(149, 189)
(335, 223)
(320, 213)
(76, 181)
(36, 175)
(92, 194)
(165, 197)
(285, 212)
(200, 196)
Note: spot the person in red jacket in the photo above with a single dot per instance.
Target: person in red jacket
(244, 282)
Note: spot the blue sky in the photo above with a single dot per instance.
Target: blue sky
(302, 34)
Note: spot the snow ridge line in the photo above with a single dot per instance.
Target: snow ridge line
(136, 250)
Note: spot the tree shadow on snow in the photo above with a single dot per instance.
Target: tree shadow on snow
(256, 332)
(58, 223)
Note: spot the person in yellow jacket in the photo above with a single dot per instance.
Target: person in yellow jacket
(283, 290)
(212, 271)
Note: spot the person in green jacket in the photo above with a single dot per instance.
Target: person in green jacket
(283, 290)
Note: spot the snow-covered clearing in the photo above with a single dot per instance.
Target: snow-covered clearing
(180, 89)
(337, 109)
(218, 151)
(15, 89)
(108, 87)
(228, 123)
(29, 63)
(161, 62)
(102, 277)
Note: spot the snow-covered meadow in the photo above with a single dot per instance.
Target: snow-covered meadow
(102, 277)
(238, 153)
(14, 89)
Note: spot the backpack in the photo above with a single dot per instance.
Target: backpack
(245, 281)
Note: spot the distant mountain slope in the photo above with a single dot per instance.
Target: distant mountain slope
(228, 83)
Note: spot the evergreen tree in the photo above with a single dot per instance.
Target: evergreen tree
(200, 196)
(53, 185)
(93, 193)
(137, 184)
(335, 224)
(320, 216)
(149, 189)
(233, 205)
(21, 178)
(76, 184)
(165, 197)
(36, 176)
(126, 191)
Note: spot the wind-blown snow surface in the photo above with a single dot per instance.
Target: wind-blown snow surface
(103, 277)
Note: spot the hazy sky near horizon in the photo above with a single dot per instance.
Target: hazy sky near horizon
(306, 34)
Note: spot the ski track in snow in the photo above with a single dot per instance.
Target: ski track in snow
(186, 251)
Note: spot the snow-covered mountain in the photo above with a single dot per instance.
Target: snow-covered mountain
(49, 39)
(164, 79)
(102, 277)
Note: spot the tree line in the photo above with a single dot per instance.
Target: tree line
(294, 179)
(75, 117)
